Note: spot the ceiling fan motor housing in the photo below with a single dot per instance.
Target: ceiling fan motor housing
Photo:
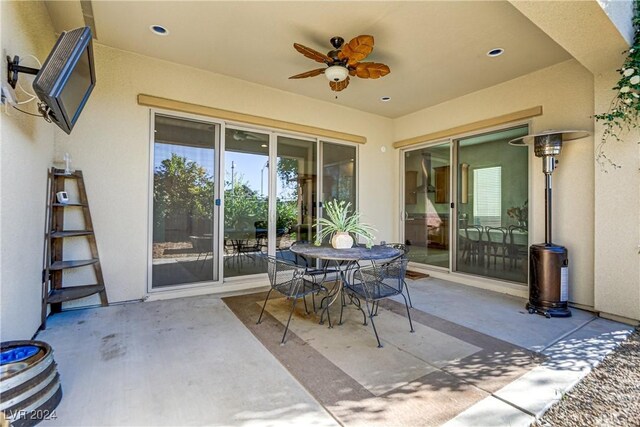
(336, 41)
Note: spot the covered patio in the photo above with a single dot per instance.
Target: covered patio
(201, 156)
(476, 358)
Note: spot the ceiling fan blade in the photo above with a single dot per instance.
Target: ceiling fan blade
(371, 70)
(311, 73)
(338, 86)
(312, 54)
(357, 49)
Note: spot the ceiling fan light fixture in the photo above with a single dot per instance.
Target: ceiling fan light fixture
(336, 73)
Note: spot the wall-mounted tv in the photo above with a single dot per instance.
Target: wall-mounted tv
(67, 77)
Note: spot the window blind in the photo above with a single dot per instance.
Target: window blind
(487, 195)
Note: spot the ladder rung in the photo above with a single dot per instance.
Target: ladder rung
(70, 233)
(65, 205)
(62, 265)
(60, 173)
(73, 292)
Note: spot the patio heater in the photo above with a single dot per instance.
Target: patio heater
(548, 263)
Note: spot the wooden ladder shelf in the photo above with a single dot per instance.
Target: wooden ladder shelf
(54, 292)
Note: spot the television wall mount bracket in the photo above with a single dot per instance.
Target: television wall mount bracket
(14, 68)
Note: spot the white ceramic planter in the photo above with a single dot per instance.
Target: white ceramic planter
(342, 240)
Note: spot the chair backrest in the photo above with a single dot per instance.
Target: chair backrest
(201, 243)
(475, 229)
(261, 229)
(284, 276)
(515, 229)
(500, 234)
(404, 248)
(391, 273)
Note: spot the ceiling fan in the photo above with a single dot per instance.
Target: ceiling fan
(344, 61)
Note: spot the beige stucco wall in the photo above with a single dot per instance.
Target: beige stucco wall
(111, 145)
(565, 92)
(26, 149)
(617, 214)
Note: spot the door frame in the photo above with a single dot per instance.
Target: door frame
(453, 197)
(217, 208)
(403, 213)
(236, 283)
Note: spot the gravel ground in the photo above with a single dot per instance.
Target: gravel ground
(608, 396)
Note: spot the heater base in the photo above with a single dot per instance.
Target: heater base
(548, 312)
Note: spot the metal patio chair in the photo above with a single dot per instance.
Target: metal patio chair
(405, 250)
(288, 279)
(375, 283)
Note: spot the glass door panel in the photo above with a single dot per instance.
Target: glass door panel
(492, 230)
(427, 204)
(339, 173)
(183, 249)
(246, 202)
(296, 193)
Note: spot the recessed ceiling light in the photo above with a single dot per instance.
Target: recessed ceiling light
(263, 145)
(385, 99)
(159, 30)
(495, 52)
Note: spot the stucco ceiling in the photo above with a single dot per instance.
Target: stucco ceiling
(436, 50)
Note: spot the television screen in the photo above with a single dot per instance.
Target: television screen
(67, 77)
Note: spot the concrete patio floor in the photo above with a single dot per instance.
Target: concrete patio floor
(192, 361)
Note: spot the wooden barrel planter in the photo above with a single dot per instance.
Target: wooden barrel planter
(30, 387)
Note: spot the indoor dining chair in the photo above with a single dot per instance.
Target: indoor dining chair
(497, 246)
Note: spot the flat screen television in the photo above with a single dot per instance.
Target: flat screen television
(67, 77)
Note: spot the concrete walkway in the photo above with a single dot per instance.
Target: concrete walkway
(190, 361)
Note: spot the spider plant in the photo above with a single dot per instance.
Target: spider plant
(339, 219)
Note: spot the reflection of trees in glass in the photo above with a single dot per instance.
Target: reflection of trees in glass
(288, 173)
(243, 206)
(182, 188)
(287, 203)
(339, 183)
(287, 216)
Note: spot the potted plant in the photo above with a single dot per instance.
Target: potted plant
(520, 213)
(340, 224)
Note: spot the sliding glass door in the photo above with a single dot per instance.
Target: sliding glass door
(246, 201)
(183, 209)
(225, 196)
(427, 204)
(492, 206)
(339, 172)
(484, 232)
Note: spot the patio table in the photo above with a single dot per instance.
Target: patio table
(345, 260)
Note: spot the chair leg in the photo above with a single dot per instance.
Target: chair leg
(293, 307)
(263, 306)
(342, 304)
(408, 314)
(408, 294)
(356, 301)
(304, 298)
(375, 331)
